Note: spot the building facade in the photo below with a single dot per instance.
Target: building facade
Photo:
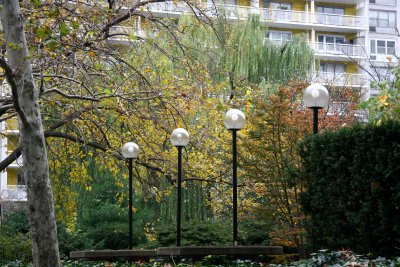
(12, 184)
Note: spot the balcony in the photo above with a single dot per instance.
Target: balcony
(168, 8)
(274, 17)
(319, 21)
(340, 52)
(13, 193)
(341, 79)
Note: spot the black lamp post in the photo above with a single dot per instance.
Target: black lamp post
(234, 121)
(315, 97)
(130, 151)
(179, 139)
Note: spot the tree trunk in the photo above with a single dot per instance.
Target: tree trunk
(36, 170)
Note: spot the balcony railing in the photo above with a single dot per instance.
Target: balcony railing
(266, 14)
(341, 79)
(169, 7)
(13, 193)
(126, 34)
(336, 49)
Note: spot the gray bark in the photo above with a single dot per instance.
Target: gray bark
(36, 170)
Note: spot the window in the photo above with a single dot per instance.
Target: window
(382, 74)
(383, 47)
(279, 36)
(332, 72)
(281, 6)
(330, 39)
(20, 178)
(281, 10)
(330, 10)
(383, 19)
(329, 15)
(329, 43)
(332, 68)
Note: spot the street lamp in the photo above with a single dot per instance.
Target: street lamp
(179, 139)
(315, 97)
(130, 151)
(234, 121)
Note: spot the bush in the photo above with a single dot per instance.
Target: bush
(200, 233)
(18, 222)
(107, 228)
(255, 232)
(353, 183)
(68, 241)
(14, 245)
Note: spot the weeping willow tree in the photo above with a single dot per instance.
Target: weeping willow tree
(240, 51)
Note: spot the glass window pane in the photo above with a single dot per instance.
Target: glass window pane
(275, 35)
(373, 47)
(328, 10)
(339, 11)
(330, 39)
(392, 20)
(323, 67)
(381, 47)
(391, 51)
(285, 6)
(381, 43)
(339, 68)
(320, 38)
(373, 22)
(373, 14)
(320, 9)
(383, 15)
(286, 36)
(340, 40)
(274, 5)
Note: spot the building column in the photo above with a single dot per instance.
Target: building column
(3, 154)
(312, 11)
(254, 6)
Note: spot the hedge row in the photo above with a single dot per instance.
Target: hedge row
(353, 196)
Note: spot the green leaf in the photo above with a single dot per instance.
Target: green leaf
(52, 44)
(44, 32)
(14, 46)
(75, 24)
(35, 3)
(64, 29)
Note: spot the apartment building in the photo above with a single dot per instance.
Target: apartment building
(12, 184)
(383, 40)
(354, 40)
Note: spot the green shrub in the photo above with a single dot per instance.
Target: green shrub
(68, 241)
(255, 232)
(18, 222)
(353, 195)
(201, 233)
(14, 245)
(107, 228)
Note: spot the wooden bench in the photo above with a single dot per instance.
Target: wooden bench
(188, 252)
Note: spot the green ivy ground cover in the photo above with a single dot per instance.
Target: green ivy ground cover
(321, 259)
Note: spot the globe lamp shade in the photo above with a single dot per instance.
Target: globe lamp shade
(130, 150)
(316, 96)
(234, 119)
(179, 137)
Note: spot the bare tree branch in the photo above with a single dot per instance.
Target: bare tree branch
(11, 81)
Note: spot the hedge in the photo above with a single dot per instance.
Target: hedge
(353, 188)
